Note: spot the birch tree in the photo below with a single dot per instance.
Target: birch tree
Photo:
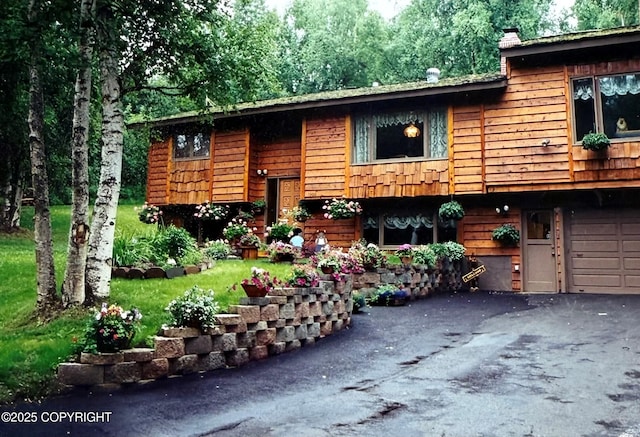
(73, 287)
(47, 297)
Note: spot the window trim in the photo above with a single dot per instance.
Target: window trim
(372, 138)
(191, 157)
(597, 105)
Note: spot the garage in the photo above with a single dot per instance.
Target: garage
(603, 251)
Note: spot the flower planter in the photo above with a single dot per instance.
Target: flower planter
(253, 290)
(174, 272)
(327, 270)
(406, 260)
(249, 252)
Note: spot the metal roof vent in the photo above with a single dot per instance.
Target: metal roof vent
(433, 75)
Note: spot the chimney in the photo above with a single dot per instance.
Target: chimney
(510, 39)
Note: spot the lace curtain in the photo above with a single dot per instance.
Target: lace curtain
(438, 134)
(403, 222)
(609, 86)
(437, 131)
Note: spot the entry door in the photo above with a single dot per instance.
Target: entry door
(538, 238)
(288, 194)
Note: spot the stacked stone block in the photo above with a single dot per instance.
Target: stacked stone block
(287, 319)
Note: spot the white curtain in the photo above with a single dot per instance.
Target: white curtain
(620, 85)
(385, 120)
(438, 137)
(362, 140)
(403, 222)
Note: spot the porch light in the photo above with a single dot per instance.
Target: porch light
(411, 131)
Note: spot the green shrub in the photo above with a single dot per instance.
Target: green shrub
(424, 255)
(217, 249)
(131, 250)
(506, 234)
(173, 242)
(196, 308)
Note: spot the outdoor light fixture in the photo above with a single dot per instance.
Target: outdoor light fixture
(411, 131)
(262, 172)
(504, 210)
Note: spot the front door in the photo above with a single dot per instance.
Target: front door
(281, 194)
(539, 253)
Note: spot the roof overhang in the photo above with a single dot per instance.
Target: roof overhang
(572, 42)
(387, 93)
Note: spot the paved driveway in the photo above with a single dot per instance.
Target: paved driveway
(456, 366)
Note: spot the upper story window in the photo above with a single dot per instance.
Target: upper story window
(191, 145)
(608, 104)
(400, 135)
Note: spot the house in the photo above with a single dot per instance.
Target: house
(507, 146)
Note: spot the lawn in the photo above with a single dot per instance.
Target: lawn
(30, 349)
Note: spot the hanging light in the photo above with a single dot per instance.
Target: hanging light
(411, 131)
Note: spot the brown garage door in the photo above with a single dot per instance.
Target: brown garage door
(603, 251)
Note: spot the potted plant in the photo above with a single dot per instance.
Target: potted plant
(327, 261)
(367, 255)
(280, 231)
(341, 208)
(249, 244)
(111, 329)
(260, 283)
(279, 251)
(150, 214)
(506, 234)
(303, 275)
(210, 211)
(300, 214)
(389, 294)
(196, 308)
(424, 255)
(451, 211)
(235, 229)
(258, 206)
(405, 252)
(597, 141)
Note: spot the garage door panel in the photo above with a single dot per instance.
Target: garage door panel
(631, 229)
(596, 263)
(594, 229)
(594, 246)
(631, 246)
(598, 280)
(604, 251)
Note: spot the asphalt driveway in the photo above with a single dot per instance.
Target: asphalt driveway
(452, 365)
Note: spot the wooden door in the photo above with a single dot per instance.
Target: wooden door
(288, 194)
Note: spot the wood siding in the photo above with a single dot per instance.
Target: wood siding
(189, 181)
(325, 156)
(475, 232)
(468, 150)
(532, 109)
(157, 173)
(230, 167)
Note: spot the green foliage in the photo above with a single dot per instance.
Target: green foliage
(424, 255)
(603, 14)
(451, 211)
(196, 308)
(303, 275)
(217, 249)
(129, 250)
(173, 242)
(280, 231)
(111, 329)
(450, 249)
(506, 234)
(367, 255)
(596, 141)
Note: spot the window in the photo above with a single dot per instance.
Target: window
(191, 146)
(400, 135)
(394, 229)
(607, 104)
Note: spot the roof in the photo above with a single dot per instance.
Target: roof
(574, 41)
(462, 84)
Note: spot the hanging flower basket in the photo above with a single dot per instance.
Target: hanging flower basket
(451, 211)
(341, 208)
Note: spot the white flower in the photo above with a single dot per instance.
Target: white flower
(171, 262)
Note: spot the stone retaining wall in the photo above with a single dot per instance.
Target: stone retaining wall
(287, 319)
(419, 280)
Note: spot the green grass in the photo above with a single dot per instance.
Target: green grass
(31, 349)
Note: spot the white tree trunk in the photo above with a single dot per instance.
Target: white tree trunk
(73, 287)
(47, 297)
(103, 223)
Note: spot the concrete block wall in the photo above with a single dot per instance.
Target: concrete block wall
(285, 320)
(419, 280)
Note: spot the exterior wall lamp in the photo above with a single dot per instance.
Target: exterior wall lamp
(502, 210)
(262, 172)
